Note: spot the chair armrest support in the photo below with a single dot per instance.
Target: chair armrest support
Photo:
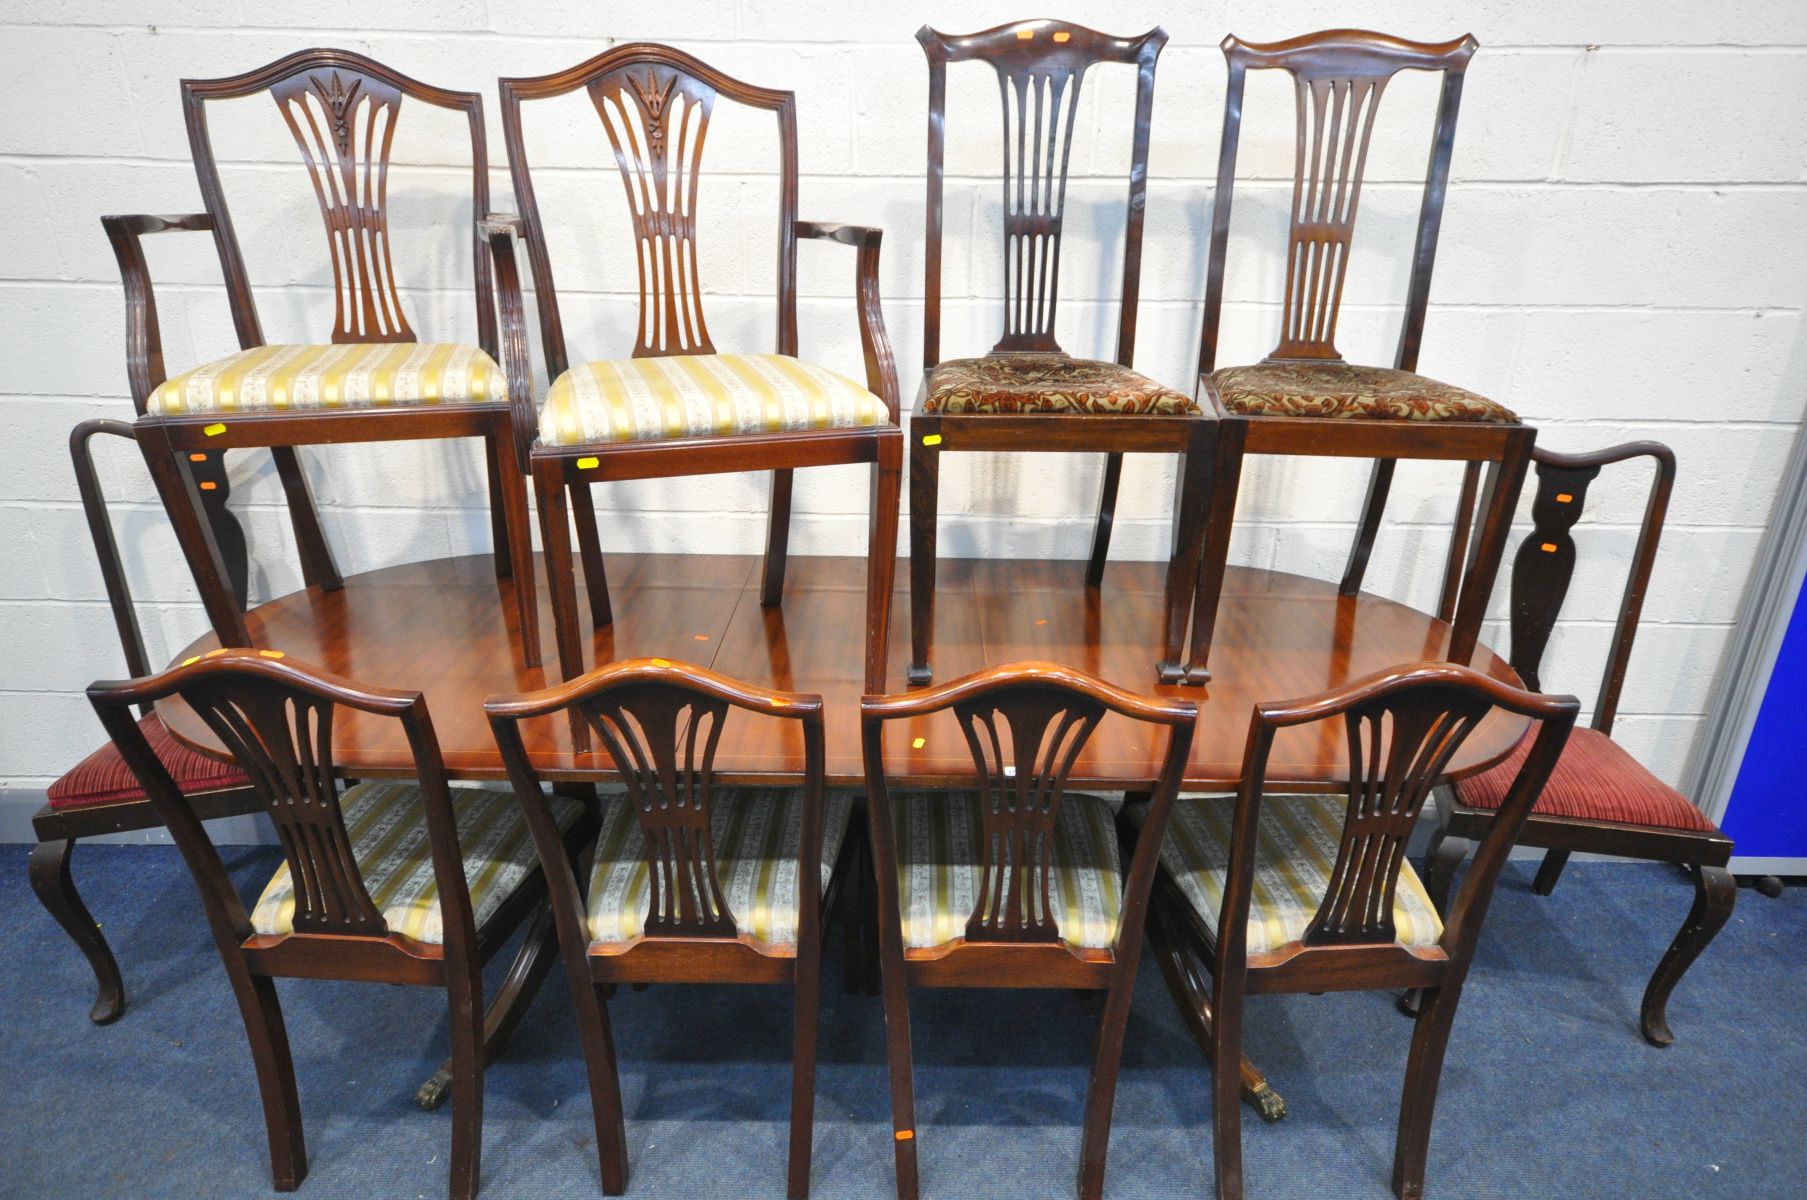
(106, 549)
(881, 364)
(503, 230)
(143, 340)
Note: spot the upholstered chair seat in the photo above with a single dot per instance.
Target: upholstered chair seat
(1343, 390)
(1296, 845)
(701, 395)
(349, 375)
(757, 837)
(387, 826)
(1046, 383)
(939, 865)
(1594, 780)
(103, 778)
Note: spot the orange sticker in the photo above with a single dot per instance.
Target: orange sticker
(1548, 547)
(270, 653)
(197, 456)
(1063, 36)
(1563, 497)
(904, 1135)
(661, 662)
(1022, 35)
(208, 485)
(699, 637)
(1041, 620)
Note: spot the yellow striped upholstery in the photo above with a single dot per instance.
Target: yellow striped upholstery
(354, 375)
(1295, 849)
(938, 868)
(387, 826)
(757, 834)
(695, 395)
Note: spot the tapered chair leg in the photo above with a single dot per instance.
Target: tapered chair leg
(1380, 482)
(465, 993)
(1442, 859)
(1107, 515)
(925, 485)
(883, 499)
(1226, 1100)
(1423, 1072)
(1214, 555)
(1715, 894)
(48, 869)
(1191, 487)
(589, 551)
(555, 537)
(903, 1086)
(777, 540)
(1549, 871)
(264, 1028)
(605, 1080)
(805, 1018)
(1101, 1094)
(1505, 479)
(514, 545)
(496, 467)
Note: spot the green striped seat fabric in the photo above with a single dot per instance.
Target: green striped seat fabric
(757, 834)
(938, 868)
(386, 824)
(1295, 850)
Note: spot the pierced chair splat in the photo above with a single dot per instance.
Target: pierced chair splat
(1304, 399)
(1016, 883)
(1028, 394)
(678, 407)
(1313, 893)
(1599, 800)
(689, 881)
(373, 381)
(390, 882)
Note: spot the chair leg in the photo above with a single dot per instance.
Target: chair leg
(1380, 482)
(464, 992)
(264, 1029)
(589, 551)
(1423, 1072)
(209, 467)
(1441, 860)
(1505, 479)
(510, 1003)
(903, 1087)
(1107, 515)
(317, 565)
(48, 869)
(1715, 893)
(1461, 529)
(182, 502)
(1101, 1094)
(605, 1081)
(1549, 871)
(1214, 555)
(881, 558)
(925, 485)
(777, 540)
(561, 582)
(509, 524)
(805, 1017)
(1226, 1103)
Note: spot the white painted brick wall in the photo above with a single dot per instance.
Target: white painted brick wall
(1621, 258)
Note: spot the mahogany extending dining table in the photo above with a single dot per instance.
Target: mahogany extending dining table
(446, 627)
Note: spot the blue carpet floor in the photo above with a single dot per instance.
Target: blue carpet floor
(1548, 1089)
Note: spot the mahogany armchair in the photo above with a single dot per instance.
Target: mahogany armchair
(677, 407)
(372, 381)
(1303, 399)
(1313, 893)
(687, 882)
(1028, 394)
(1016, 883)
(403, 883)
(1599, 800)
(100, 795)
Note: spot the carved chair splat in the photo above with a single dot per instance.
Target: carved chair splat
(342, 110)
(1352, 926)
(1029, 394)
(669, 838)
(1600, 800)
(1303, 399)
(320, 916)
(655, 105)
(1025, 725)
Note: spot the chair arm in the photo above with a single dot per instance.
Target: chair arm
(143, 341)
(503, 230)
(106, 549)
(881, 364)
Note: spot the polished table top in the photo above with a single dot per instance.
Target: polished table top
(445, 627)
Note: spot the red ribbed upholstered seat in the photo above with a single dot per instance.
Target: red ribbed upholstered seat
(1594, 780)
(103, 777)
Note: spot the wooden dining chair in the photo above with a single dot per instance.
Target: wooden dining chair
(688, 882)
(1599, 800)
(1028, 394)
(387, 882)
(677, 407)
(372, 381)
(1313, 893)
(100, 795)
(1017, 883)
(1303, 399)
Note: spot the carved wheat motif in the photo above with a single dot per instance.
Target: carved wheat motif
(338, 100)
